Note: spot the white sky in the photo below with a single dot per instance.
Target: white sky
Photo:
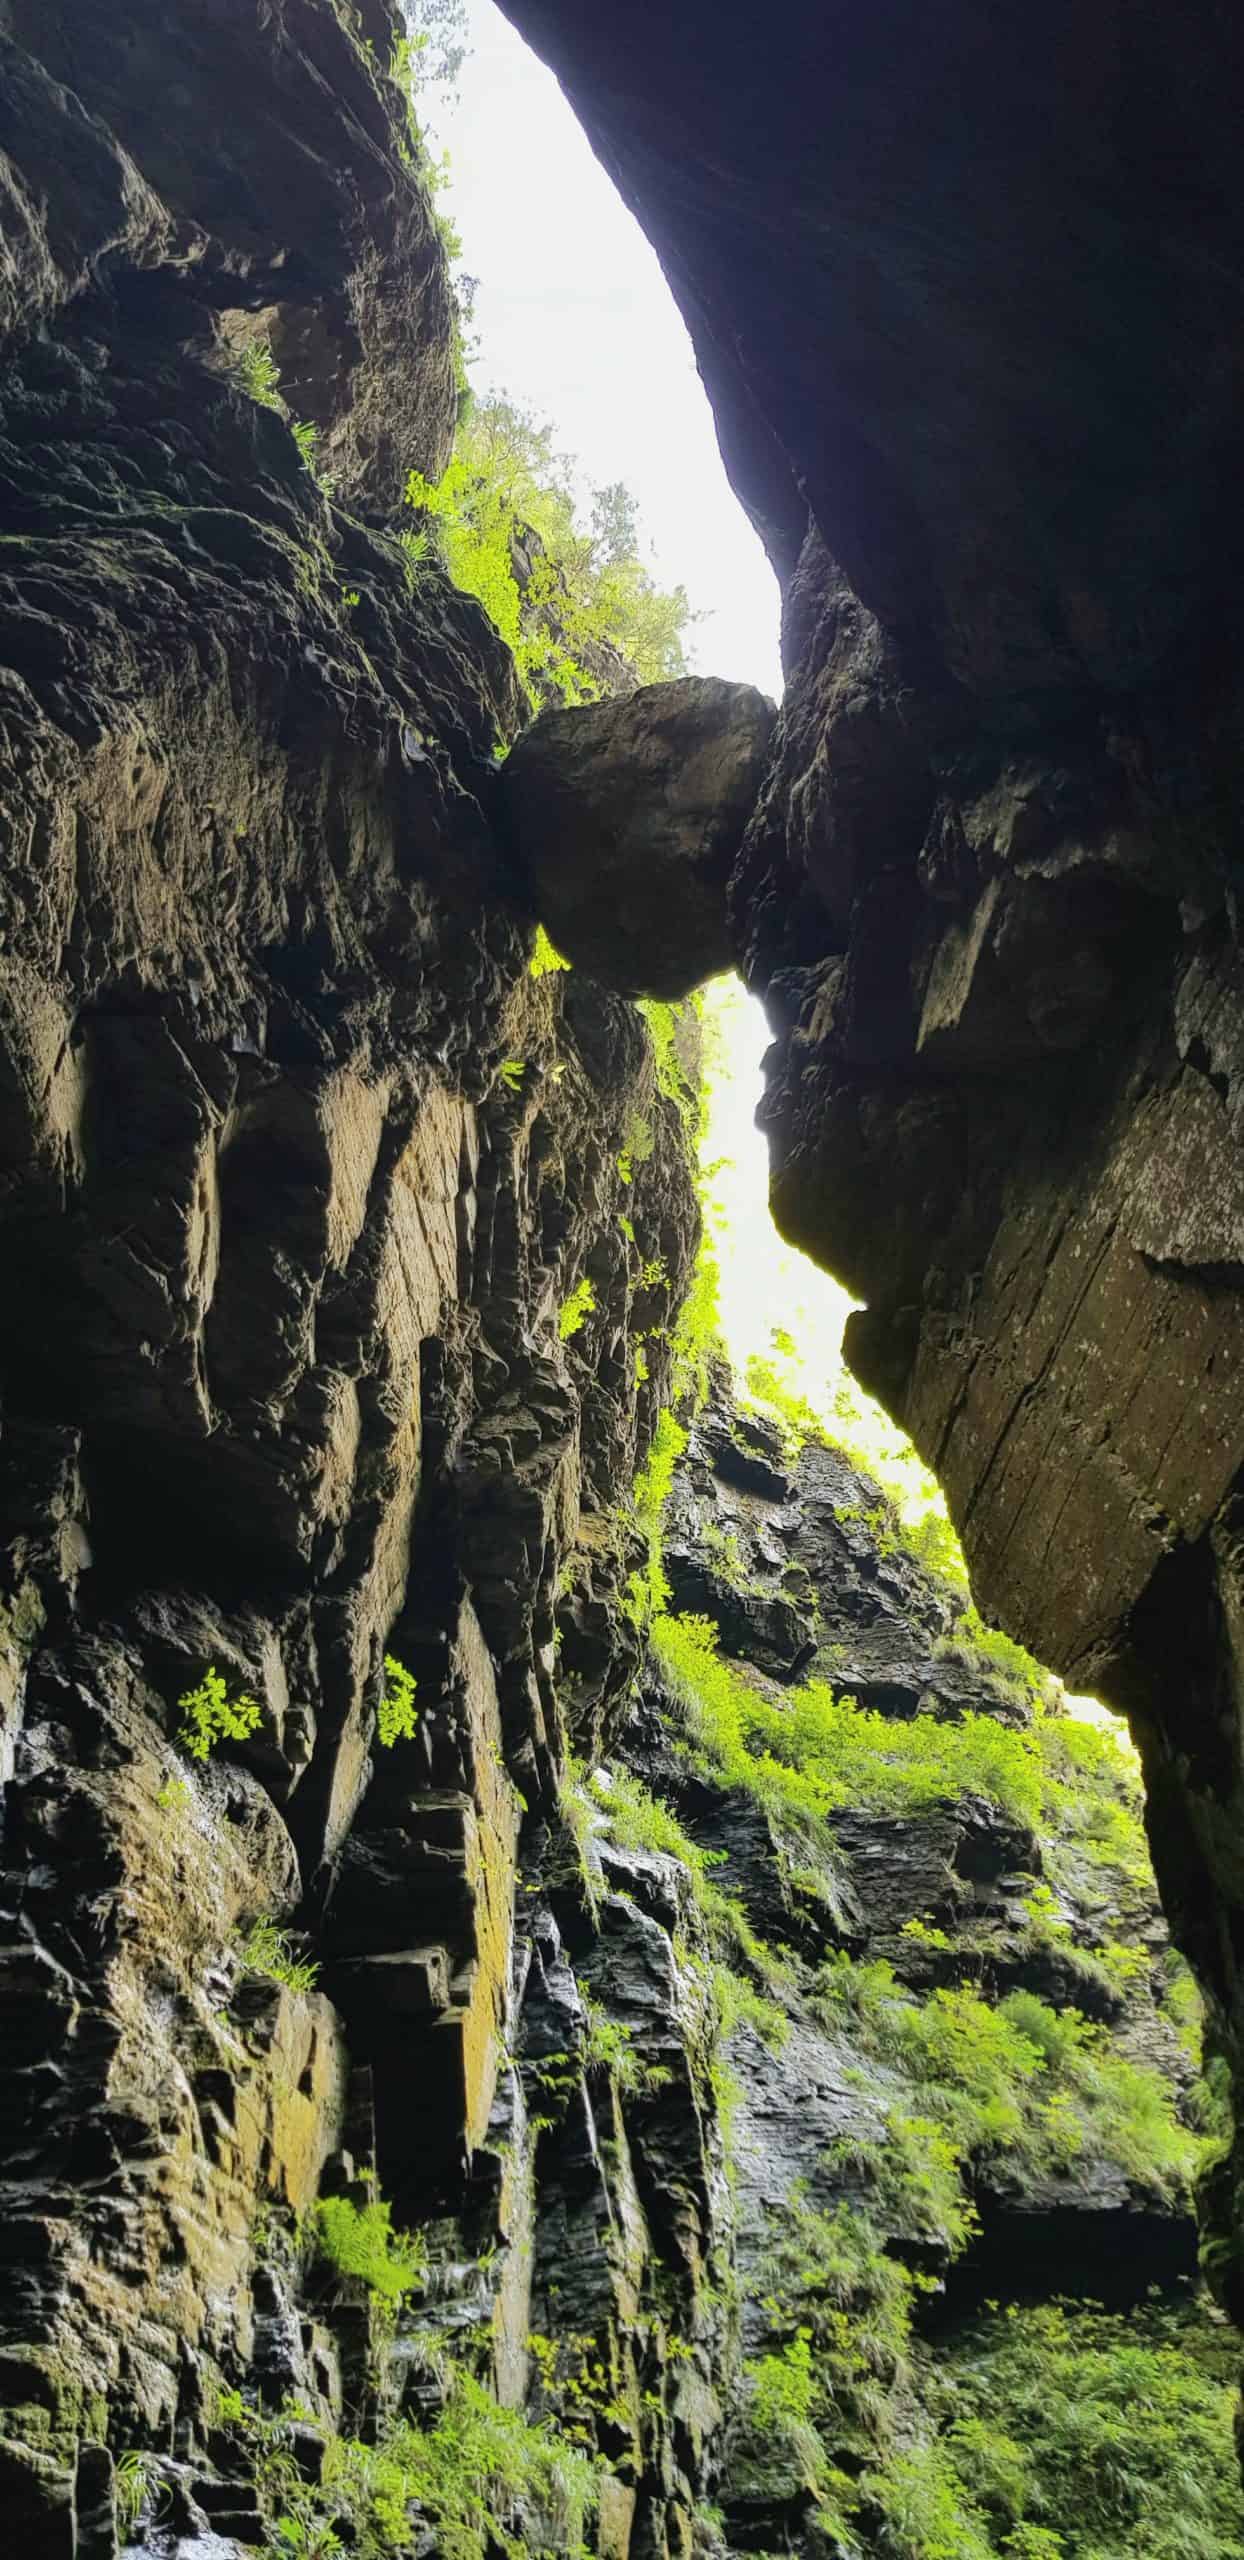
(576, 321)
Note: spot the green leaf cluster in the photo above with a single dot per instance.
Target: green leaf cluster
(580, 1304)
(397, 1714)
(210, 1716)
(562, 598)
(359, 2240)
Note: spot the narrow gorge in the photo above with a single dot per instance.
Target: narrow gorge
(567, 1987)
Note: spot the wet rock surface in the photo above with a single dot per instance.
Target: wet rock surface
(283, 1388)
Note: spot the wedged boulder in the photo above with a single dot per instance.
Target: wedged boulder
(625, 819)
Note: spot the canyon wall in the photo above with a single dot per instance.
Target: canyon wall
(445, 2093)
(964, 289)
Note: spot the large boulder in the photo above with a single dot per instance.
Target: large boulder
(625, 819)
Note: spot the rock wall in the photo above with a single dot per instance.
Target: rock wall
(301, 1169)
(381, 2122)
(963, 286)
(871, 1947)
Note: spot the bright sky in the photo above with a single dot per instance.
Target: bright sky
(576, 321)
(764, 1282)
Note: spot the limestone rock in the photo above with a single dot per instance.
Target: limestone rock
(626, 818)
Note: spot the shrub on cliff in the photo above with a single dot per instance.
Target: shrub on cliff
(1018, 2078)
(1125, 2429)
(580, 611)
(812, 1752)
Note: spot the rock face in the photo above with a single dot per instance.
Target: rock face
(970, 330)
(366, 2097)
(896, 1928)
(626, 820)
(299, 1168)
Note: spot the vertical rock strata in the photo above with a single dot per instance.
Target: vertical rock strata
(300, 1167)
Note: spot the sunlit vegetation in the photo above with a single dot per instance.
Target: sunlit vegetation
(1049, 2432)
(563, 581)
(546, 961)
(210, 1716)
(485, 2482)
(1041, 2085)
(578, 1307)
(359, 2240)
(397, 1714)
(1068, 2432)
(806, 1753)
(269, 1952)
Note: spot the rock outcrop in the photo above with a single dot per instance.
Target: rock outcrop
(626, 819)
(963, 288)
(897, 1941)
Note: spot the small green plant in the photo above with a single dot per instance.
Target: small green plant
(609, 2045)
(174, 1796)
(268, 1952)
(923, 1935)
(359, 2240)
(486, 2481)
(545, 960)
(135, 2480)
(580, 1304)
(397, 1715)
(254, 371)
(306, 437)
(511, 1072)
(211, 1716)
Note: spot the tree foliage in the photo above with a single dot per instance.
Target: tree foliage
(438, 34)
(579, 609)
